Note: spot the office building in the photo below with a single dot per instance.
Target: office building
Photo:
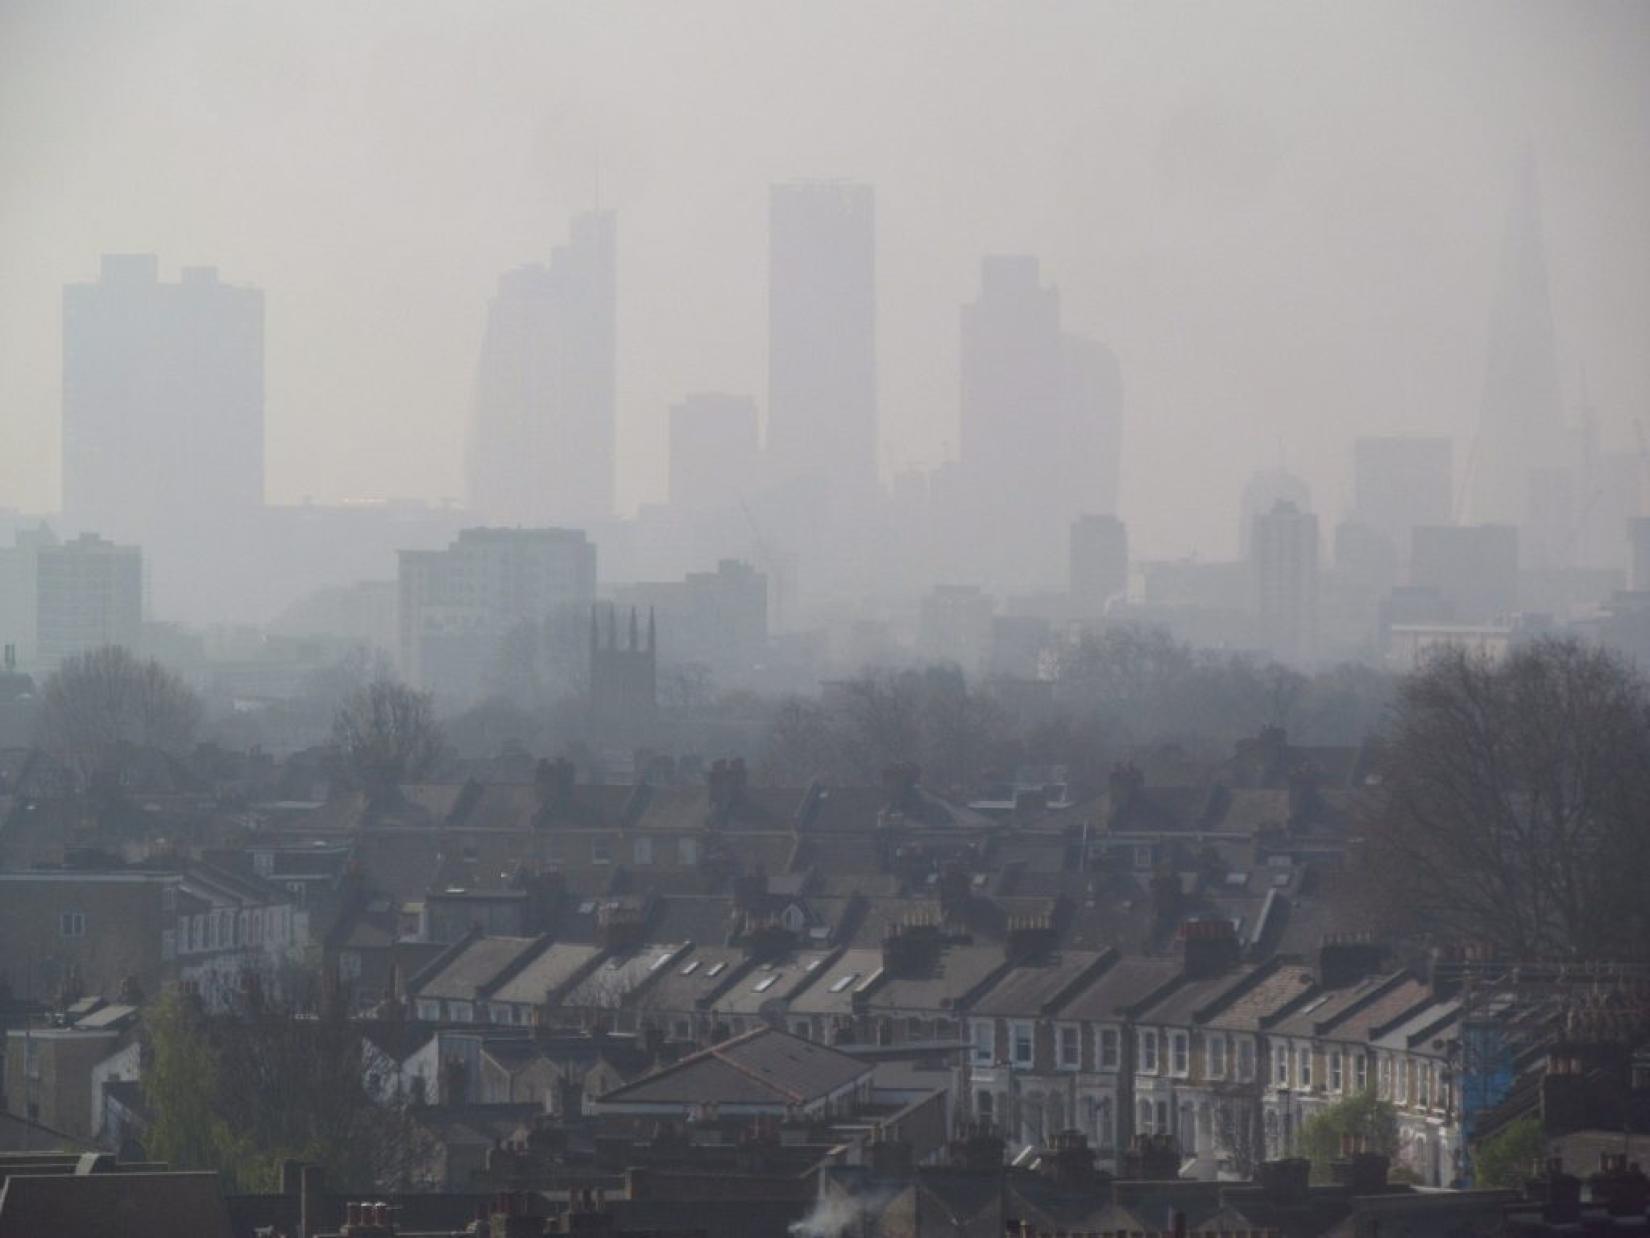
(1398, 483)
(1521, 418)
(1472, 569)
(822, 372)
(1039, 427)
(1264, 490)
(163, 420)
(715, 451)
(1284, 562)
(714, 620)
(542, 443)
(1099, 563)
(455, 606)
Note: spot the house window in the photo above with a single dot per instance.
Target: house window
(349, 964)
(1360, 1072)
(429, 1011)
(169, 899)
(801, 1030)
(1180, 1053)
(1246, 1059)
(1024, 1044)
(263, 862)
(601, 849)
(1306, 1068)
(1071, 1049)
(1108, 1048)
(168, 943)
(1217, 1057)
(1336, 1065)
(197, 932)
(1424, 1084)
(687, 851)
(985, 1042)
(71, 924)
(642, 852)
(682, 1029)
(502, 1012)
(983, 1107)
(1280, 1066)
(461, 1011)
(1147, 1045)
(1142, 855)
(1143, 1118)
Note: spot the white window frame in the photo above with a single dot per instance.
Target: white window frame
(687, 852)
(1022, 1036)
(1061, 1031)
(601, 849)
(1280, 1066)
(1360, 1071)
(983, 1032)
(641, 851)
(1180, 1054)
(1216, 1055)
(71, 925)
(1304, 1066)
(1109, 1054)
(1337, 1069)
(1146, 1050)
(1244, 1059)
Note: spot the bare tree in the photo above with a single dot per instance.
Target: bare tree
(385, 735)
(1512, 804)
(100, 707)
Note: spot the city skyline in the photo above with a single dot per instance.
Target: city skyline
(1165, 229)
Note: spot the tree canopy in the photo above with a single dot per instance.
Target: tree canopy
(385, 734)
(1513, 804)
(100, 707)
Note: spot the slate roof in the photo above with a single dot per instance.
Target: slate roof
(687, 984)
(473, 967)
(622, 975)
(763, 1067)
(831, 989)
(546, 974)
(1028, 987)
(1179, 1007)
(1127, 982)
(1358, 1005)
(1269, 995)
(948, 982)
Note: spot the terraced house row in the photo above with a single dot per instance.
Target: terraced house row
(1229, 1057)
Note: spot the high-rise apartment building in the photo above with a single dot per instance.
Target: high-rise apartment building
(715, 451)
(163, 418)
(457, 605)
(1283, 548)
(1039, 426)
(822, 367)
(542, 441)
(88, 593)
(1099, 563)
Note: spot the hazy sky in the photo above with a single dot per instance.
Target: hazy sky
(1283, 217)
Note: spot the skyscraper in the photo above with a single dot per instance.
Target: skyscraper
(542, 442)
(1039, 425)
(715, 450)
(1099, 563)
(163, 418)
(822, 370)
(1521, 421)
(1284, 559)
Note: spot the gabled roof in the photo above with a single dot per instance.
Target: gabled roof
(465, 972)
(1122, 986)
(954, 977)
(1027, 989)
(694, 980)
(1245, 1012)
(1350, 1013)
(762, 1067)
(546, 974)
(830, 988)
